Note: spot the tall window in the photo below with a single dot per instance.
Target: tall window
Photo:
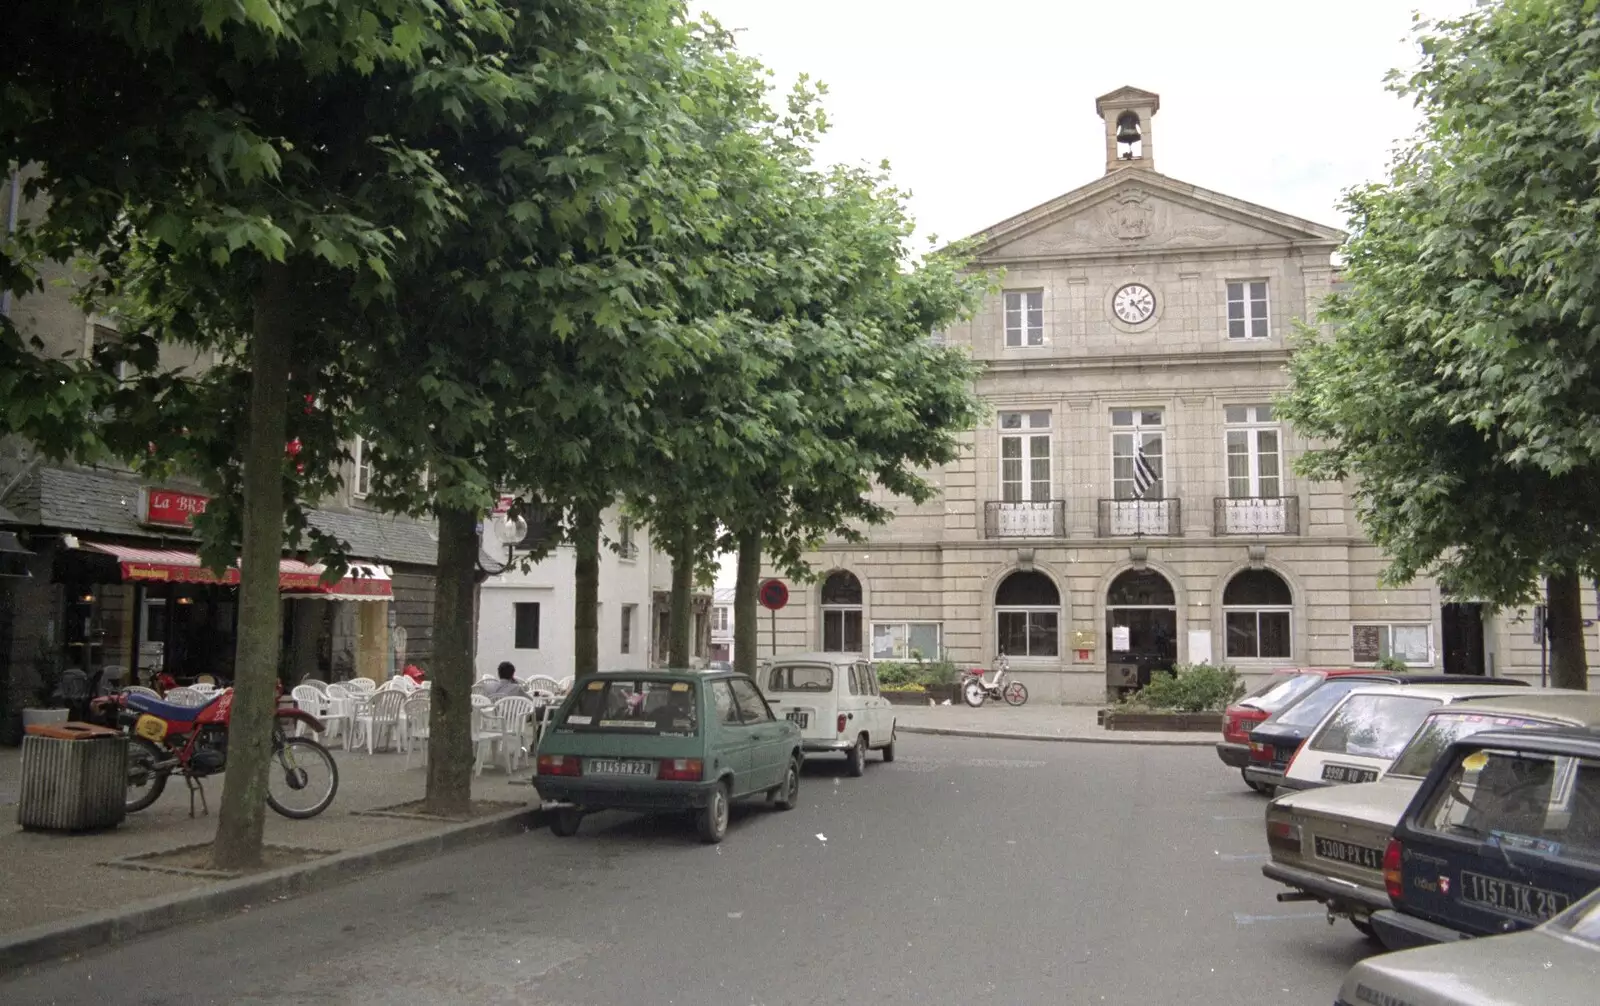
(1256, 606)
(1254, 452)
(1027, 609)
(625, 546)
(1247, 309)
(719, 618)
(363, 458)
(627, 627)
(841, 612)
(1024, 456)
(1024, 318)
(1138, 454)
(526, 617)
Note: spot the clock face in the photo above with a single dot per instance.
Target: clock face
(1134, 304)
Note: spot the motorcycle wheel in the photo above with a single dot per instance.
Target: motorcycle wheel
(302, 779)
(144, 783)
(1016, 693)
(973, 693)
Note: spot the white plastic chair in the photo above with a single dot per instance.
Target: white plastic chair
(419, 710)
(186, 697)
(485, 730)
(564, 685)
(325, 708)
(382, 714)
(141, 690)
(541, 685)
(365, 685)
(513, 712)
(321, 686)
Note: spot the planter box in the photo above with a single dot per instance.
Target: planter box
(916, 698)
(1119, 719)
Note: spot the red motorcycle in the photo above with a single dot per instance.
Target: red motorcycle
(192, 741)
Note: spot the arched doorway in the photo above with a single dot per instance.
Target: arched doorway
(1027, 613)
(841, 612)
(1256, 608)
(1142, 622)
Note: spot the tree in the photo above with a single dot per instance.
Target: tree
(1458, 390)
(250, 162)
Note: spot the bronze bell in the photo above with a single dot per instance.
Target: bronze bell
(1128, 130)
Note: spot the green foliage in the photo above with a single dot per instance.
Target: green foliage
(1191, 688)
(1393, 664)
(908, 675)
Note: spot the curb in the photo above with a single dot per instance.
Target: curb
(1208, 741)
(54, 941)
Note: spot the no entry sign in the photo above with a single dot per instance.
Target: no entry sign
(773, 594)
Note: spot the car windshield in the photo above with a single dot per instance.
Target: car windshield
(1581, 920)
(1309, 711)
(801, 678)
(1444, 728)
(1372, 726)
(1276, 692)
(643, 706)
(1524, 801)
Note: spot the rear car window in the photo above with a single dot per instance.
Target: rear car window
(643, 706)
(1373, 726)
(1443, 729)
(1309, 711)
(801, 678)
(1523, 801)
(1275, 693)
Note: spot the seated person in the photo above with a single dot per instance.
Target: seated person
(508, 683)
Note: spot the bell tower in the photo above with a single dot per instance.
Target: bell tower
(1130, 135)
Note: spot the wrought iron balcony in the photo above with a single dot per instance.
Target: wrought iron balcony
(1257, 515)
(1162, 518)
(1028, 519)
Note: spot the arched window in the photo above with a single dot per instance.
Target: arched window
(1027, 609)
(1140, 588)
(841, 612)
(1257, 606)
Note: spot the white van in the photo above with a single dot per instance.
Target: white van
(833, 698)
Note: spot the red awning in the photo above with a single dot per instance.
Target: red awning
(157, 565)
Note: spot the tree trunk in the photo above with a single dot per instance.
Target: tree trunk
(586, 589)
(1563, 626)
(746, 625)
(450, 715)
(681, 631)
(250, 721)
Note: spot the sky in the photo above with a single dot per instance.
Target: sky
(984, 110)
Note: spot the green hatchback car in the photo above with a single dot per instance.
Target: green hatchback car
(663, 741)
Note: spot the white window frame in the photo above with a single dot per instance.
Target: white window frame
(1253, 309)
(1386, 647)
(719, 618)
(900, 642)
(1030, 431)
(1024, 305)
(1252, 427)
(361, 485)
(1140, 431)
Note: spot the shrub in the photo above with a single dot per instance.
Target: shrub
(1191, 688)
(1392, 664)
(893, 674)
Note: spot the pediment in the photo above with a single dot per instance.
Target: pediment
(1139, 211)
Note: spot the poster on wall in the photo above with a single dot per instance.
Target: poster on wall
(1366, 643)
(1199, 646)
(1120, 638)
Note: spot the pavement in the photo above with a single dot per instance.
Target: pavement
(1034, 721)
(966, 872)
(52, 877)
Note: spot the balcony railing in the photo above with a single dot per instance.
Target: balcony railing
(1124, 518)
(1027, 519)
(1257, 515)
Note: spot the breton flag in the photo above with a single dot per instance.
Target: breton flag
(1143, 475)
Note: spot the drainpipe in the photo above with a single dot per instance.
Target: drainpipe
(11, 228)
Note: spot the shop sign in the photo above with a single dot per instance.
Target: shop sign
(171, 508)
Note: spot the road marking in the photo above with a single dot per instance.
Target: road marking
(1241, 919)
(1243, 857)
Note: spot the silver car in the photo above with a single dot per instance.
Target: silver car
(1556, 964)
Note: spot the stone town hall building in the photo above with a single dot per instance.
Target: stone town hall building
(1132, 503)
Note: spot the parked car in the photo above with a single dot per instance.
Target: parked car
(1503, 834)
(1362, 736)
(1279, 736)
(1553, 965)
(666, 741)
(834, 699)
(1327, 844)
(1282, 689)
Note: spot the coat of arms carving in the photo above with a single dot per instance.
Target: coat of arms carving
(1131, 216)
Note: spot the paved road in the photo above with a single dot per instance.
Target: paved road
(967, 872)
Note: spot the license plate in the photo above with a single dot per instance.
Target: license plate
(800, 719)
(1281, 756)
(602, 766)
(1348, 773)
(1535, 904)
(1347, 852)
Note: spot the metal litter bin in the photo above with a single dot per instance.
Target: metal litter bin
(74, 777)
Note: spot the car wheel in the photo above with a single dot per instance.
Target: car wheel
(712, 819)
(1365, 929)
(565, 823)
(858, 756)
(1258, 787)
(888, 749)
(788, 793)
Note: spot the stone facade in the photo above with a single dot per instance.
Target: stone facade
(1076, 377)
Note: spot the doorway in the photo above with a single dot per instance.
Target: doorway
(1142, 622)
(1462, 628)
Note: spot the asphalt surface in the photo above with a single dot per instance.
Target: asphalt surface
(969, 871)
